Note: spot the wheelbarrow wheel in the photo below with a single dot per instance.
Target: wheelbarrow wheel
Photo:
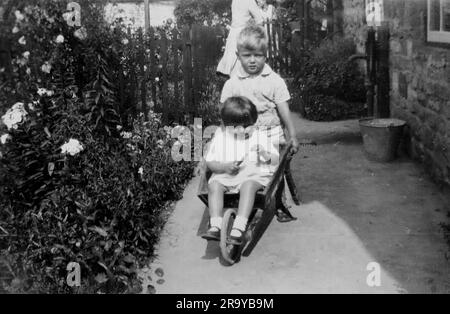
(230, 252)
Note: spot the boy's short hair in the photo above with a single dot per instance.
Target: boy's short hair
(239, 111)
(252, 37)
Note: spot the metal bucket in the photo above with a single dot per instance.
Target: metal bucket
(381, 137)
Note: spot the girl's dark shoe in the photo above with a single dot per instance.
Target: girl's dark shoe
(213, 234)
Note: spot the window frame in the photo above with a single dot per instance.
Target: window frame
(439, 37)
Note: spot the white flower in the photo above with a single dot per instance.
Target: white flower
(68, 16)
(119, 128)
(28, 71)
(19, 15)
(26, 54)
(156, 79)
(15, 30)
(14, 116)
(72, 147)
(18, 106)
(126, 135)
(125, 41)
(21, 61)
(42, 91)
(168, 129)
(59, 39)
(22, 40)
(32, 105)
(160, 143)
(80, 33)
(46, 67)
(141, 171)
(4, 138)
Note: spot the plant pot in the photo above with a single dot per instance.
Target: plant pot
(381, 137)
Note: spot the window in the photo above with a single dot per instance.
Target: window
(438, 28)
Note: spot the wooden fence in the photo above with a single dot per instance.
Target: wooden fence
(182, 72)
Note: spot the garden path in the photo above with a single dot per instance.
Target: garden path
(355, 212)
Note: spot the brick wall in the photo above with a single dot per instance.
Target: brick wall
(420, 80)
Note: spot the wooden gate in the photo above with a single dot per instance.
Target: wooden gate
(175, 69)
(182, 71)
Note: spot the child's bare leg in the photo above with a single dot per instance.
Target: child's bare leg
(246, 201)
(216, 193)
(247, 197)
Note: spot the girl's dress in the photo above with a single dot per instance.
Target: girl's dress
(227, 147)
(242, 13)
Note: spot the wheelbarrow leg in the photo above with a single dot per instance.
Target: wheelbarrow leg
(260, 228)
(291, 184)
(283, 213)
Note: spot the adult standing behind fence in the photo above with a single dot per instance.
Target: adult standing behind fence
(243, 12)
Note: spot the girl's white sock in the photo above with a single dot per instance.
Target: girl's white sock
(240, 223)
(216, 222)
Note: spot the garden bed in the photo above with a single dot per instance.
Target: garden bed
(82, 179)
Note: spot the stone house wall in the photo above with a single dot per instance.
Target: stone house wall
(419, 79)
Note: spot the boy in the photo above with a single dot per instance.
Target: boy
(259, 83)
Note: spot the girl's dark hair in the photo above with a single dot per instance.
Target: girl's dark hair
(238, 111)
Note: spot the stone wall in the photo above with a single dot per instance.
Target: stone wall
(420, 80)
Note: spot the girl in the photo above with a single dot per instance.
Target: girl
(243, 160)
(243, 12)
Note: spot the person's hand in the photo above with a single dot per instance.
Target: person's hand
(263, 155)
(295, 145)
(232, 168)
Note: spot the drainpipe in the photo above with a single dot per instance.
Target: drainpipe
(370, 79)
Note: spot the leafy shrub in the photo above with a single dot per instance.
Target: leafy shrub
(101, 208)
(327, 73)
(329, 108)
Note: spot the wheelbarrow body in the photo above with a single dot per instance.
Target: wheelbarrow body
(267, 202)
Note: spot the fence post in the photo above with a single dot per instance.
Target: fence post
(164, 76)
(383, 84)
(152, 60)
(147, 15)
(338, 22)
(187, 68)
(176, 75)
(143, 80)
(275, 52)
(371, 69)
(301, 17)
(270, 43)
(330, 16)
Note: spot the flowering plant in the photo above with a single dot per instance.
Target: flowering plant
(70, 185)
(14, 116)
(72, 147)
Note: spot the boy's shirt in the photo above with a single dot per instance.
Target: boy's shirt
(264, 90)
